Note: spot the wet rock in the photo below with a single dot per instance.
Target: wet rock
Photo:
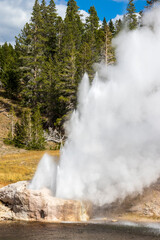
(21, 203)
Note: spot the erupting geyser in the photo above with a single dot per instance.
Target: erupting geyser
(45, 176)
(113, 146)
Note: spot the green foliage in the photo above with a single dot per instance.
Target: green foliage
(107, 49)
(91, 43)
(19, 138)
(111, 27)
(51, 29)
(28, 132)
(131, 18)
(8, 140)
(66, 75)
(31, 47)
(11, 82)
(50, 57)
(118, 26)
(92, 21)
(9, 72)
(37, 138)
(54, 54)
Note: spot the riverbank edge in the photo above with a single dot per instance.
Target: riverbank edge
(126, 218)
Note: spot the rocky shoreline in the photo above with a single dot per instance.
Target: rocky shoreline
(20, 203)
(17, 202)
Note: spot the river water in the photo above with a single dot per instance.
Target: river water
(91, 231)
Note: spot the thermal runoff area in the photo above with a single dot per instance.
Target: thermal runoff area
(113, 146)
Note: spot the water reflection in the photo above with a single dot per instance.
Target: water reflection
(114, 231)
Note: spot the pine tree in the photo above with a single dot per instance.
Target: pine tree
(65, 85)
(59, 34)
(43, 9)
(26, 124)
(107, 49)
(111, 27)
(54, 108)
(19, 138)
(44, 26)
(9, 72)
(92, 41)
(92, 21)
(151, 2)
(49, 16)
(28, 132)
(38, 141)
(85, 61)
(10, 138)
(118, 26)
(22, 135)
(53, 56)
(92, 34)
(131, 18)
(31, 45)
(72, 23)
(12, 115)
(67, 78)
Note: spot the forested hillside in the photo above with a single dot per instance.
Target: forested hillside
(42, 71)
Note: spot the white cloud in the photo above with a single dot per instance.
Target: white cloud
(15, 13)
(84, 15)
(13, 16)
(121, 17)
(117, 18)
(61, 10)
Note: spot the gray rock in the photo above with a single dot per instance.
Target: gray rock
(21, 203)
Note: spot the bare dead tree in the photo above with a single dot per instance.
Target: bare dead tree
(54, 136)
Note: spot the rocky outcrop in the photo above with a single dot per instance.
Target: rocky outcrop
(17, 202)
(20, 203)
(136, 207)
(147, 204)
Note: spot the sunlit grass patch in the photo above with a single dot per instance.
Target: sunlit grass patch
(21, 166)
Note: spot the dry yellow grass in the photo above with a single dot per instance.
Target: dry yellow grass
(21, 166)
(15, 164)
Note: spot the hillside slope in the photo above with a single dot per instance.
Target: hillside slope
(5, 123)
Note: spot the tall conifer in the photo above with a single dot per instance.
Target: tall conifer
(92, 39)
(118, 26)
(107, 49)
(51, 29)
(67, 75)
(111, 27)
(9, 71)
(130, 17)
(38, 140)
(31, 46)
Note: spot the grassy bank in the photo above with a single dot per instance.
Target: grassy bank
(20, 166)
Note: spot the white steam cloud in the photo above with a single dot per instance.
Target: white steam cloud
(113, 147)
(45, 176)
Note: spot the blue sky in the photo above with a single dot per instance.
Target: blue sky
(15, 13)
(109, 8)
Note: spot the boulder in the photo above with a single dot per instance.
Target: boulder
(20, 203)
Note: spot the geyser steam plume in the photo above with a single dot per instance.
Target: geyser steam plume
(45, 176)
(113, 148)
